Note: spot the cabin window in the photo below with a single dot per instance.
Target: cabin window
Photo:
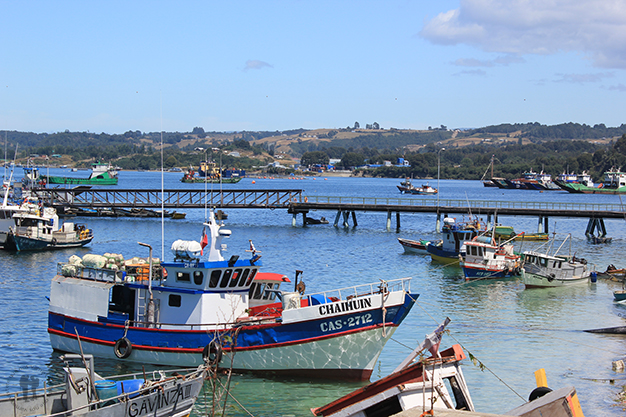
(255, 290)
(226, 278)
(215, 278)
(458, 395)
(270, 295)
(480, 251)
(236, 275)
(198, 277)
(244, 276)
(183, 276)
(251, 277)
(543, 262)
(174, 300)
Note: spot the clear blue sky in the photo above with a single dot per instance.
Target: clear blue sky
(113, 66)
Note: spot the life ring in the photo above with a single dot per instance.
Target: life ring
(123, 348)
(212, 353)
(54, 241)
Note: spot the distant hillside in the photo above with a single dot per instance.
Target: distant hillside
(474, 147)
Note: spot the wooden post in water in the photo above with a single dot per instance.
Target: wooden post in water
(354, 218)
(388, 221)
(397, 220)
(337, 218)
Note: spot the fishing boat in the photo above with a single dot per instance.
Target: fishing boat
(415, 384)
(196, 306)
(454, 236)
(508, 232)
(424, 190)
(414, 246)
(191, 177)
(545, 269)
(101, 174)
(614, 183)
(484, 258)
(405, 186)
(488, 182)
(84, 392)
(38, 228)
(7, 211)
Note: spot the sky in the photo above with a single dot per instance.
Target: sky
(114, 66)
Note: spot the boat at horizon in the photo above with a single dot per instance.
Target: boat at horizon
(102, 173)
(614, 182)
(197, 305)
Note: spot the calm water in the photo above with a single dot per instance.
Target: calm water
(511, 331)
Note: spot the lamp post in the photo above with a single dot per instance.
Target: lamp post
(438, 170)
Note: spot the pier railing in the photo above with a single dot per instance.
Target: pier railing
(444, 203)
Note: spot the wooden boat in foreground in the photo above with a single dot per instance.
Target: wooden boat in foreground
(84, 392)
(413, 384)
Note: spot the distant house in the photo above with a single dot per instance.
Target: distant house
(235, 154)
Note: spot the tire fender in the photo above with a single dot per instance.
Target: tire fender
(123, 348)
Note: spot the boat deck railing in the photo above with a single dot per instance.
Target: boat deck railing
(347, 293)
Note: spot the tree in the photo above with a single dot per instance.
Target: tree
(352, 160)
(357, 125)
(314, 158)
(376, 126)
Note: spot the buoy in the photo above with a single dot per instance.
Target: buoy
(253, 182)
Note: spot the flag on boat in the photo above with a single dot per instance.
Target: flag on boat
(204, 241)
(433, 340)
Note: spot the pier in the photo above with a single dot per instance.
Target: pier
(295, 202)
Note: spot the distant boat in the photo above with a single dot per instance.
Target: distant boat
(614, 183)
(101, 174)
(489, 182)
(407, 187)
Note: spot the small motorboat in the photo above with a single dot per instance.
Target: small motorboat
(84, 392)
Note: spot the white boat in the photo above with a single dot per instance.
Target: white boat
(435, 382)
(483, 258)
(39, 228)
(85, 393)
(545, 269)
(7, 210)
(196, 304)
(414, 246)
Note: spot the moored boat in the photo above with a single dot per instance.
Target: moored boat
(101, 174)
(84, 392)
(454, 236)
(414, 246)
(543, 269)
(437, 380)
(485, 259)
(196, 304)
(508, 232)
(614, 183)
(39, 228)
